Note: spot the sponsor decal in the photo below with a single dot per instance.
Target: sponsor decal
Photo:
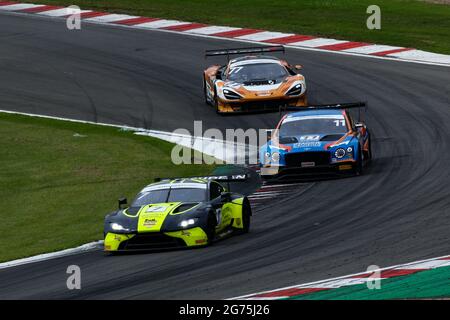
(306, 144)
(308, 164)
(263, 93)
(238, 221)
(310, 138)
(149, 222)
(185, 233)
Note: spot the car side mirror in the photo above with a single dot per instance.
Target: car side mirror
(225, 197)
(360, 127)
(122, 202)
(269, 134)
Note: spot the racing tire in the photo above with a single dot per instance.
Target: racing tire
(205, 93)
(216, 102)
(268, 178)
(368, 154)
(246, 216)
(211, 228)
(359, 164)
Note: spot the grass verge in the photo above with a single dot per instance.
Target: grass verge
(409, 23)
(59, 179)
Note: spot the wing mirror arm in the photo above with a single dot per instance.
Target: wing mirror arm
(269, 134)
(360, 126)
(225, 197)
(122, 202)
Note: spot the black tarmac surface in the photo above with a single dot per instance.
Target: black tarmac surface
(397, 212)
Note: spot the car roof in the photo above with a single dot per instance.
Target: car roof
(317, 112)
(254, 60)
(195, 183)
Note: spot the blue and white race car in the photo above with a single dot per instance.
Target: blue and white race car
(320, 139)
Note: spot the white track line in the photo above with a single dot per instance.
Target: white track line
(370, 49)
(160, 24)
(53, 255)
(264, 35)
(59, 12)
(419, 55)
(318, 42)
(20, 6)
(212, 29)
(428, 264)
(110, 18)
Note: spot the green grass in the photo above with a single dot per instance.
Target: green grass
(408, 23)
(59, 179)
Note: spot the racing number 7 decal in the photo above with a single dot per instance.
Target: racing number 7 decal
(235, 70)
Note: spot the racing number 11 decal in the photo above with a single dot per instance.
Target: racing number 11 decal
(339, 123)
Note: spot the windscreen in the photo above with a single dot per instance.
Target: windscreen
(187, 195)
(170, 195)
(307, 125)
(155, 196)
(257, 71)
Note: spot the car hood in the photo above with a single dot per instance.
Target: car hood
(263, 88)
(152, 216)
(313, 142)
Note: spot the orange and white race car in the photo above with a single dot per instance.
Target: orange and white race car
(254, 82)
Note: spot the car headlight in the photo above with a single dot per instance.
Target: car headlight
(275, 157)
(266, 157)
(231, 95)
(188, 222)
(349, 149)
(118, 227)
(339, 153)
(295, 90)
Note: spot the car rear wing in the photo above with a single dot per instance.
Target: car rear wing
(221, 178)
(229, 52)
(347, 105)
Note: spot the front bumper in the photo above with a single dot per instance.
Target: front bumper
(155, 240)
(293, 172)
(246, 106)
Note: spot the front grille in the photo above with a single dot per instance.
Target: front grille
(151, 240)
(262, 105)
(320, 158)
(260, 82)
(331, 137)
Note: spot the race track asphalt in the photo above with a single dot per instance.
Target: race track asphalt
(397, 212)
